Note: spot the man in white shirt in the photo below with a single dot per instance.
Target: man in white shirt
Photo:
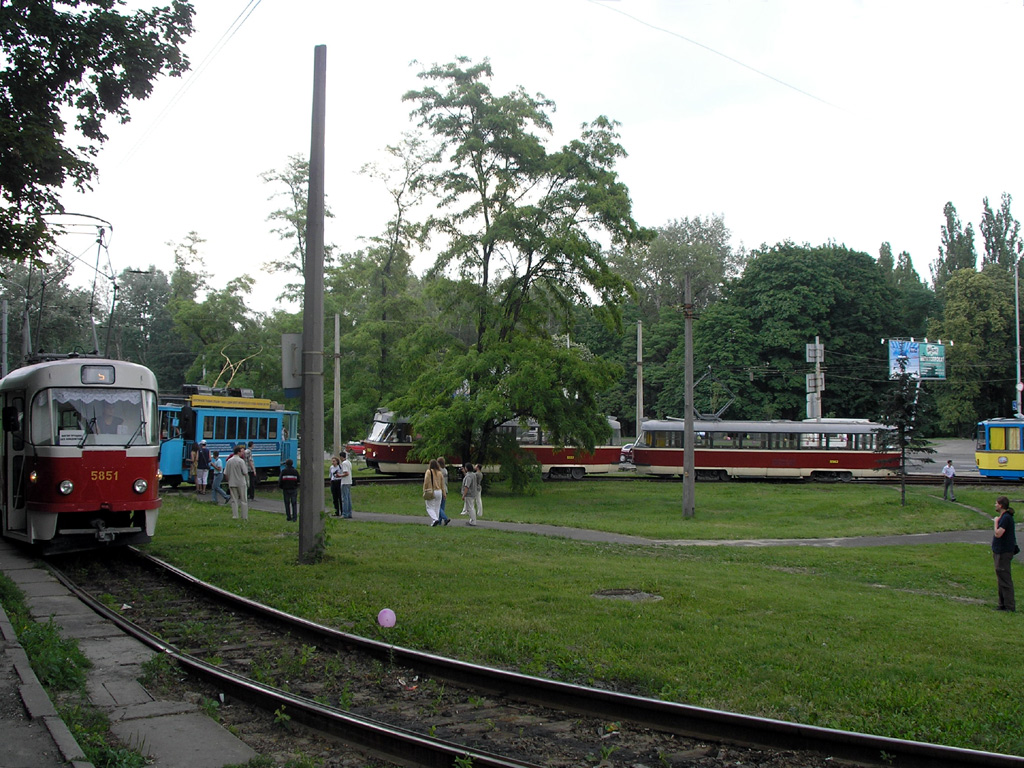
(947, 483)
(346, 485)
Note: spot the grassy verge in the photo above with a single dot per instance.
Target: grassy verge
(724, 510)
(61, 668)
(899, 641)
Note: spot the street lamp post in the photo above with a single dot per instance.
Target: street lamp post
(1016, 316)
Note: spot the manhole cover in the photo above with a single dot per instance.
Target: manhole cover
(636, 595)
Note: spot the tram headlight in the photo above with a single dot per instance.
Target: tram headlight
(66, 487)
(140, 485)
(33, 476)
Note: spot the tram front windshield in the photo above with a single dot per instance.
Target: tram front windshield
(82, 416)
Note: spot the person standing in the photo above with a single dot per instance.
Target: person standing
(237, 474)
(250, 466)
(480, 490)
(288, 482)
(217, 469)
(433, 491)
(334, 475)
(444, 495)
(202, 468)
(947, 481)
(470, 490)
(1004, 547)
(346, 486)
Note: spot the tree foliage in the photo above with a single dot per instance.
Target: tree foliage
(956, 251)
(70, 58)
(522, 230)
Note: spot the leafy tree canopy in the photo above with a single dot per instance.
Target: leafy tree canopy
(523, 231)
(61, 58)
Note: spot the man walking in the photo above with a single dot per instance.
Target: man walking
(217, 469)
(288, 481)
(237, 475)
(947, 482)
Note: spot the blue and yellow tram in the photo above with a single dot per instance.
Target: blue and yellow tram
(224, 421)
(1000, 449)
(79, 454)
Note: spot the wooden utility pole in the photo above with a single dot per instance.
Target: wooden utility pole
(311, 442)
(689, 491)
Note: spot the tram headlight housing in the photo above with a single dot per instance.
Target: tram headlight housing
(140, 485)
(66, 487)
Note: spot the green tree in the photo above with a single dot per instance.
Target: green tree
(1001, 233)
(65, 59)
(980, 374)
(522, 230)
(291, 223)
(900, 411)
(956, 251)
(786, 297)
(658, 269)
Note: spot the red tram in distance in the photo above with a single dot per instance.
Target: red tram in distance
(391, 439)
(80, 454)
(816, 449)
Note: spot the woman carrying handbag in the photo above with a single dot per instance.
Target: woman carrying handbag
(433, 491)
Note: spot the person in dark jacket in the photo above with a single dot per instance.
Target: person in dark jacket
(288, 482)
(1004, 547)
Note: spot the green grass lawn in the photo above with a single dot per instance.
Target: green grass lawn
(898, 641)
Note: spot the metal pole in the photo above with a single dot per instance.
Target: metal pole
(337, 383)
(1016, 315)
(639, 375)
(689, 491)
(311, 444)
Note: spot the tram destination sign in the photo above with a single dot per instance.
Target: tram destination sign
(920, 359)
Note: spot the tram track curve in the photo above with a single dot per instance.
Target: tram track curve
(410, 746)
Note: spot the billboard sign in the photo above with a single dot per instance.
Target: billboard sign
(920, 359)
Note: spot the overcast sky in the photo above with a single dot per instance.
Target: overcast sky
(806, 120)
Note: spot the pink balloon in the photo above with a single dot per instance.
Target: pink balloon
(386, 618)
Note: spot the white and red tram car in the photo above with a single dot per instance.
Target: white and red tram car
(819, 449)
(79, 460)
(391, 439)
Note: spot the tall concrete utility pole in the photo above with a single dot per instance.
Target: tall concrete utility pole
(639, 376)
(337, 384)
(311, 442)
(689, 489)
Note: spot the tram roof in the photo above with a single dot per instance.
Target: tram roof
(823, 426)
(67, 372)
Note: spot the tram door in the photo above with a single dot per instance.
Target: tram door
(12, 465)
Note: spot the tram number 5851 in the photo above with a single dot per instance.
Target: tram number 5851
(103, 474)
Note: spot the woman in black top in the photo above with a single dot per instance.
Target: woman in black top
(1004, 547)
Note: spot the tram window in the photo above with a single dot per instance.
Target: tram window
(272, 429)
(231, 428)
(1013, 439)
(218, 427)
(206, 427)
(14, 421)
(997, 439)
(263, 428)
(254, 427)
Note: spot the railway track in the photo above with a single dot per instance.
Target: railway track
(414, 708)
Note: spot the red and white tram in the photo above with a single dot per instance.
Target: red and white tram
(819, 449)
(391, 439)
(79, 460)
